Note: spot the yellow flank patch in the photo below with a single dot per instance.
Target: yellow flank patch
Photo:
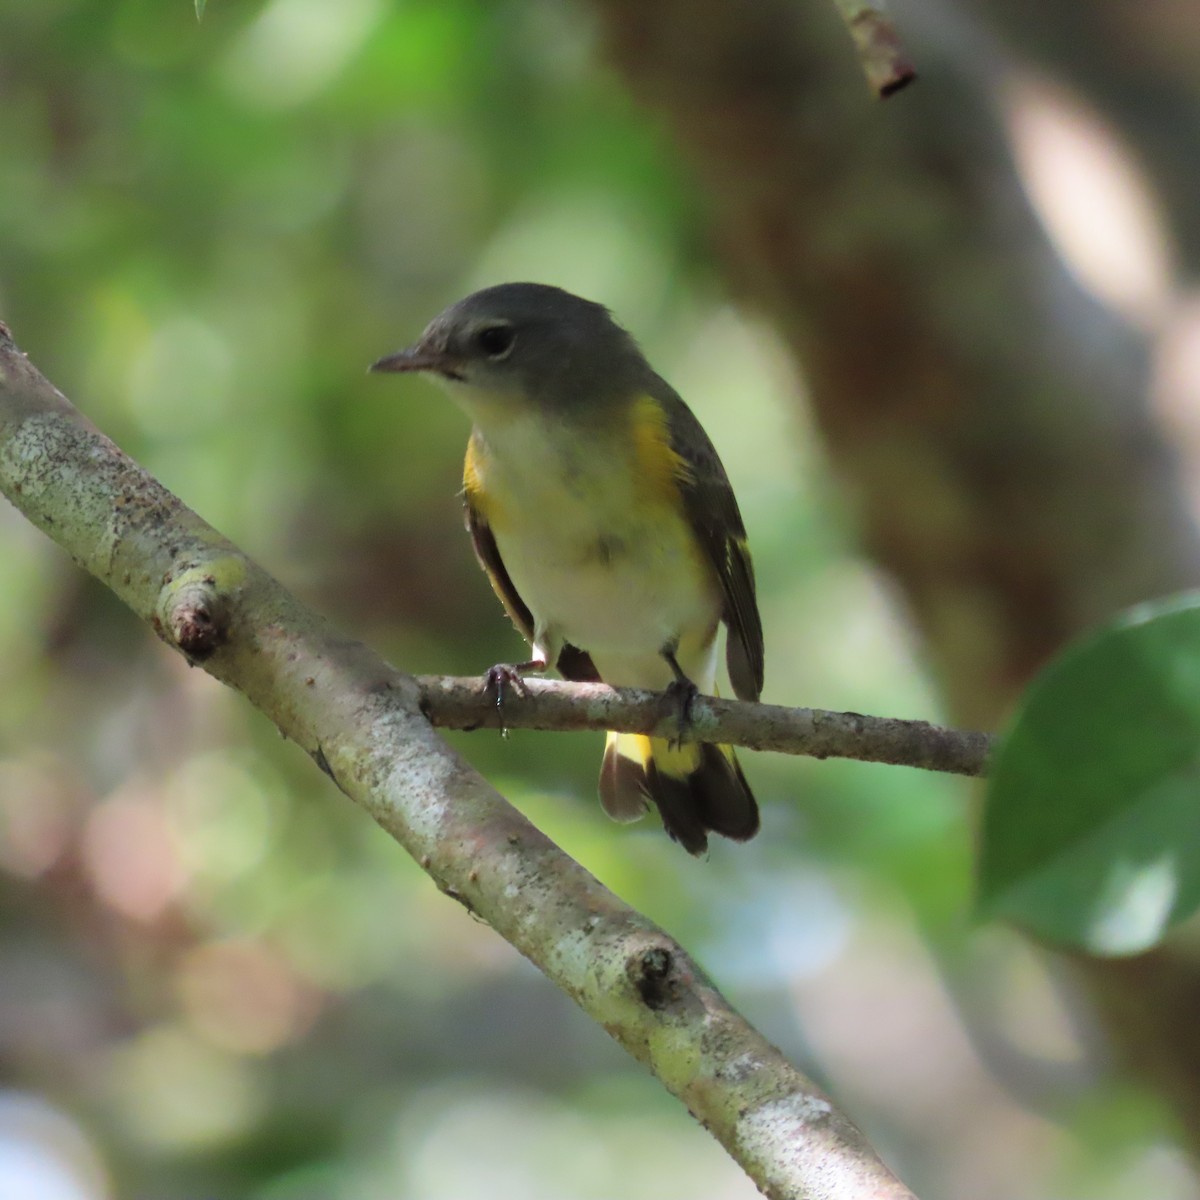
(473, 472)
(659, 468)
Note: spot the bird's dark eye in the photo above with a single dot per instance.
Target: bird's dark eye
(496, 340)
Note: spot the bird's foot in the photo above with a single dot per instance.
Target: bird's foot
(680, 694)
(508, 675)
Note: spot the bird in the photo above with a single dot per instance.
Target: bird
(607, 526)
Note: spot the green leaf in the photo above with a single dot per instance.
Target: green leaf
(200, 9)
(1091, 832)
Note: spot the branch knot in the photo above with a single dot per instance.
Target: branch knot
(194, 611)
(651, 971)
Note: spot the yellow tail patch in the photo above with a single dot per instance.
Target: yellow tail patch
(696, 787)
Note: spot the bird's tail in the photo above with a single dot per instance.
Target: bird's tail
(697, 787)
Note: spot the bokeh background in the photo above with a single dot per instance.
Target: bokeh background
(217, 978)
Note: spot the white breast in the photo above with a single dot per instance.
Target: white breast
(599, 561)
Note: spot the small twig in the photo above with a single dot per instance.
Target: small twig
(884, 60)
(458, 703)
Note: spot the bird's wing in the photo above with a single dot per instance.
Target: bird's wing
(712, 512)
(573, 663)
(488, 554)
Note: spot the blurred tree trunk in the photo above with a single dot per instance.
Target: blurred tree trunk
(1138, 64)
(989, 419)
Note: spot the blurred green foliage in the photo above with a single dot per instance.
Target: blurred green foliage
(1091, 814)
(227, 977)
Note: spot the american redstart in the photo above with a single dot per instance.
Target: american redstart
(606, 524)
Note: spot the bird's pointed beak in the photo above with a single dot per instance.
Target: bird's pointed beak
(412, 359)
(420, 358)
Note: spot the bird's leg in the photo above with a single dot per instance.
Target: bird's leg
(503, 675)
(497, 678)
(681, 690)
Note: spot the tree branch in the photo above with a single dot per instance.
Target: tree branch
(547, 704)
(885, 61)
(361, 721)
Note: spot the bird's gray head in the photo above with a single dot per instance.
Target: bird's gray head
(526, 341)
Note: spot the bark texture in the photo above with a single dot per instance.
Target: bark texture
(452, 703)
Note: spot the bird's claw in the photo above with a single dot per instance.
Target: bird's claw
(503, 675)
(681, 693)
(499, 677)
